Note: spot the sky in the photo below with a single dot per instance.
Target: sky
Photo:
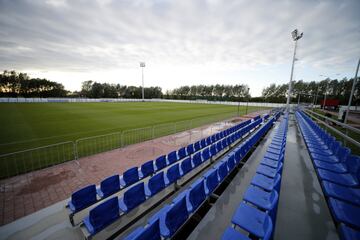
(183, 42)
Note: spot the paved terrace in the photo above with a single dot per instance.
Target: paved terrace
(25, 194)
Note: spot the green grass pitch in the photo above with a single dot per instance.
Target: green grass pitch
(31, 125)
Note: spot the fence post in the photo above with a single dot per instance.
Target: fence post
(153, 132)
(122, 139)
(76, 153)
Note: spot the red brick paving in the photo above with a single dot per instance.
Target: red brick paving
(28, 193)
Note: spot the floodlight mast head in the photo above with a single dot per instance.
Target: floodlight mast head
(142, 64)
(295, 35)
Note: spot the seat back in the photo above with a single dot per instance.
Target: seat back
(205, 154)
(186, 165)
(176, 216)
(197, 146)
(84, 197)
(104, 214)
(190, 149)
(182, 152)
(110, 185)
(223, 171)
(160, 162)
(131, 176)
(212, 180)
(151, 232)
(203, 143)
(231, 162)
(156, 183)
(134, 196)
(197, 159)
(172, 157)
(343, 153)
(213, 150)
(173, 173)
(147, 168)
(219, 146)
(197, 195)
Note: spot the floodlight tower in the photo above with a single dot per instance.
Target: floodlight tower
(296, 36)
(142, 65)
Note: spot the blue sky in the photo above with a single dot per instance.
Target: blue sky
(182, 42)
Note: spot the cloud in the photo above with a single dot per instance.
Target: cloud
(200, 38)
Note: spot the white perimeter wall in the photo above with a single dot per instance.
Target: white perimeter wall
(49, 100)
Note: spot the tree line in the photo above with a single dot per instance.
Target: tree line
(210, 92)
(13, 84)
(334, 89)
(91, 89)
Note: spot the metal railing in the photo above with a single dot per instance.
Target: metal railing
(343, 132)
(12, 164)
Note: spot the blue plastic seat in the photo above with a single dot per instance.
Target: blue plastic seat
(347, 194)
(211, 181)
(197, 159)
(345, 212)
(196, 195)
(151, 232)
(219, 146)
(102, 215)
(348, 233)
(333, 167)
(82, 198)
(270, 163)
(146, 169)
(266, 183)
(132, 198)
(203, 143)
(155, 184)
(205, 154)
(172, 157)
(172, 218)
(231, 162)
(197, 146)
(160, 162)
(185, 166)
(232, 234)
(213, 150)
(253, 221)
(182, 153)
(260, 198)
(109, 186)
(268, 171)
(345, 179)
(129, 177)
(272, 156)
(190, 149)
(223, 171)
(172, 174)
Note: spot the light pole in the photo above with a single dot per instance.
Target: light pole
(296, 36)
(352, 92)
(142, 65)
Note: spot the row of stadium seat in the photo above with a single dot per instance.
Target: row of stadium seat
(256, 214)
(90, 195)
(167, 221)
(339, 174)
(99, 218)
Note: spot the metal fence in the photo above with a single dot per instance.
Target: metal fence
(12, 164)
